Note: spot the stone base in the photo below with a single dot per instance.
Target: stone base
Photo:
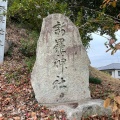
(84, 108)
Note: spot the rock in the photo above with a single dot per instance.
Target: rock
(7, 46)
(61, 71)
(23, 32)
(84, 109)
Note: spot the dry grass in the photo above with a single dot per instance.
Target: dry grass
(109, 84)
(103, 76)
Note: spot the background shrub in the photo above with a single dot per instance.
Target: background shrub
(31, 12)
(28, 47)
(94, 80)
(30, 63)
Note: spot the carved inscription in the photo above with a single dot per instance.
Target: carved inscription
(59, 49)
(2, 31)
(59, 28)
(61, 69)
(1, 43)
(59, 83)
(1, 19)
(2, 12)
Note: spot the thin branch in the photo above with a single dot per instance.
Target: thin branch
(114, 18)
(83, 25)
(97, 34)
(103, 14)
(93, 21)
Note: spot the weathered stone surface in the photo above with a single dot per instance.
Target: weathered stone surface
(61, 73)
(7, 46)
(85, 108)
(3, 9)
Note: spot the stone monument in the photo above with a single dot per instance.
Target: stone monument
(60, 76)
(61, 71)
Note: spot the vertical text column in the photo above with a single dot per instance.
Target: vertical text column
(3, 11)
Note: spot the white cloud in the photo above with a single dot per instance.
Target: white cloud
(97, 51)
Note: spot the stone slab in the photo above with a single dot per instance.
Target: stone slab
(85, 108)
(61, 71)
(3, 10)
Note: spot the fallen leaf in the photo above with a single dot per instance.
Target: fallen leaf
(115, 107)
(1, 115)
(117, 99)
(114, 3)
(42, 114)
(107, 102)
(1, 118)
(117, 46)
(16, 118)
(7, 101)
(33, 115)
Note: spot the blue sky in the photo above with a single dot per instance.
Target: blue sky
(97, 51)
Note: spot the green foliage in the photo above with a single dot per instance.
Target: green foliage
(9, 52)
(87, 15)
(31, 12)
(30, 62)
(94, 80)
(12, 76)
(28, 47)
(10, 2)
